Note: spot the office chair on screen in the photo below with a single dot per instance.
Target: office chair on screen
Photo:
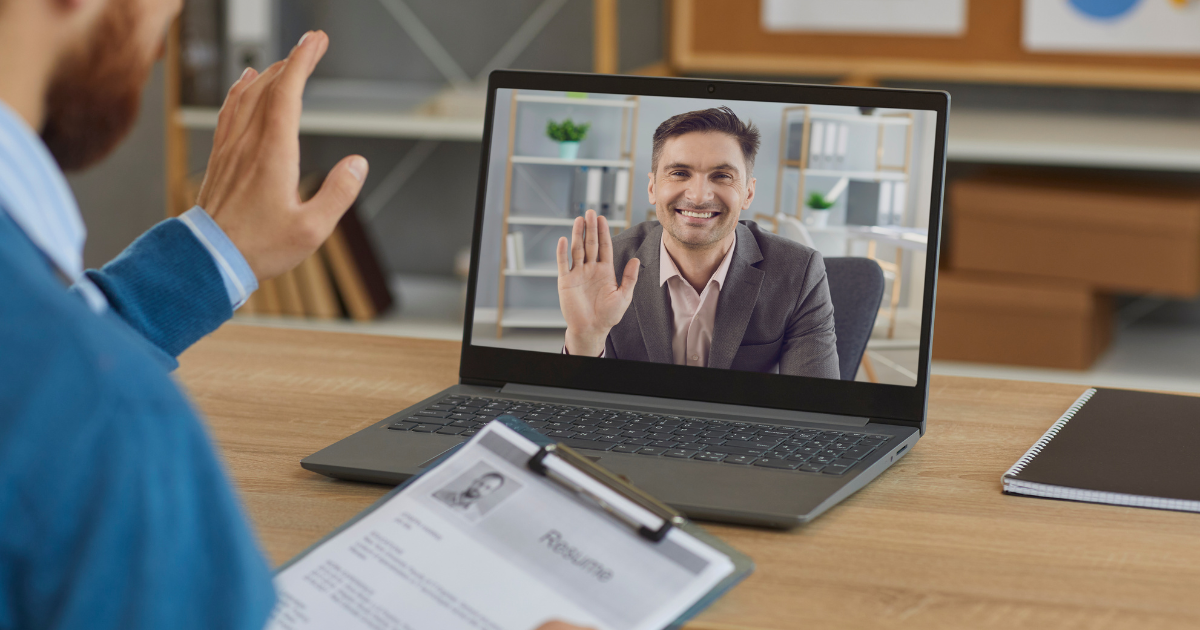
(855, 289)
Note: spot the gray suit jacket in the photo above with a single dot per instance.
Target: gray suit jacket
(773, 313)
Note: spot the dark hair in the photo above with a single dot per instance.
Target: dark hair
(492, 474)
(720, 119)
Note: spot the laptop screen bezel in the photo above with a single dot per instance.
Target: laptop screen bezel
(890, 403)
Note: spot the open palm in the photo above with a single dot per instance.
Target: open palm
(591, 300)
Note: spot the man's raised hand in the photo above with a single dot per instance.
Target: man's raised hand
(250, 187)
(588, 294)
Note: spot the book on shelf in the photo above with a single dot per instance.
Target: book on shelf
(344, 276)
(510, 252)
(316, 289)
(290, 302)
(317, 293)
(515, 251)
(267, 298)
(357, 272)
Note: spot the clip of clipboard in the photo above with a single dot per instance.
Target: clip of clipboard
(668, 517)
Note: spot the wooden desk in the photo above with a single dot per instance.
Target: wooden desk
(930, 544)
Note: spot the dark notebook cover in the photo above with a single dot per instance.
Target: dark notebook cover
(1118, 442)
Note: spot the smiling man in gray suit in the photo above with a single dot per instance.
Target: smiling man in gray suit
(706, 289)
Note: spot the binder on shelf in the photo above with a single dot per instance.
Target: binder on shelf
(899, 202)
(545, 525)
(862, 203)
(251, 37)
(200, 37)
(816, 145)
(595, 178)
(608, 192)
(843, 142)
(621, 193)
(578, 200)
(831, 139)
(794, 138)
(883, 215)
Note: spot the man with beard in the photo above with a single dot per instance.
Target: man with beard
(713, 291)
(114, 510)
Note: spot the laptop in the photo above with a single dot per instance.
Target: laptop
(762, 394)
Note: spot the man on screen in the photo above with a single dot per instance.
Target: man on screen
(706, 290)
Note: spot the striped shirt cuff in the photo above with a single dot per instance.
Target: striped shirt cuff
(239, 279)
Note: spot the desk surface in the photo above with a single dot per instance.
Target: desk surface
(932, 543)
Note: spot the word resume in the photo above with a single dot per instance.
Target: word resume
(481, 542)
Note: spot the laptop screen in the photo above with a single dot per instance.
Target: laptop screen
(783, 238)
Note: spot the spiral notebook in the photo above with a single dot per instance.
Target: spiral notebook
(1118, 447)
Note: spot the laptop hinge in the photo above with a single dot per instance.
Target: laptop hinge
(673, 405)
(480, 382)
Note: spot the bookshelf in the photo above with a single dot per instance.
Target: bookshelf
(802, 163)
(1079, 140)
(517, 315)
(347, 122)
(882, 172)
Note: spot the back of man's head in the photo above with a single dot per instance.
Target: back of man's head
(712, 120)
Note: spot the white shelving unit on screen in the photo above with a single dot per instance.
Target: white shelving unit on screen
(522, 316)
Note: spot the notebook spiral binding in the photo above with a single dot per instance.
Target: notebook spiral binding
(1049, 435)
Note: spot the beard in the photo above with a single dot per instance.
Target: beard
(96, 91)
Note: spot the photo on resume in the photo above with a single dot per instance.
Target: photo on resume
(786, 238)
(475, 492)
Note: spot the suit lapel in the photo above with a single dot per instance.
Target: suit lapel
(738, 297)
(650, 302)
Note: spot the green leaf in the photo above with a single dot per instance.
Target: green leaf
(817, 201)
(567, 130)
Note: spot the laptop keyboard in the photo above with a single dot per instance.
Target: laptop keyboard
(656, 435)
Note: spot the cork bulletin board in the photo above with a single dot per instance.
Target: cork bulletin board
(727, 37)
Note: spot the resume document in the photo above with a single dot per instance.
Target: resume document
(481, 542)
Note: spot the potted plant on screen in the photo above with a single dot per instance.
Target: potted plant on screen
(568, 135)
(819, 207)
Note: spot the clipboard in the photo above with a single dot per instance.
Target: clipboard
(603, 480)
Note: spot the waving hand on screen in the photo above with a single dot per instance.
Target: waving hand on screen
(591, 301)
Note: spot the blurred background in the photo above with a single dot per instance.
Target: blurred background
(1071, 248)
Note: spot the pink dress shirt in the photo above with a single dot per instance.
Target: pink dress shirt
(694, 314)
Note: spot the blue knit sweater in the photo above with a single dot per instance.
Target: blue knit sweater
(114, 510)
